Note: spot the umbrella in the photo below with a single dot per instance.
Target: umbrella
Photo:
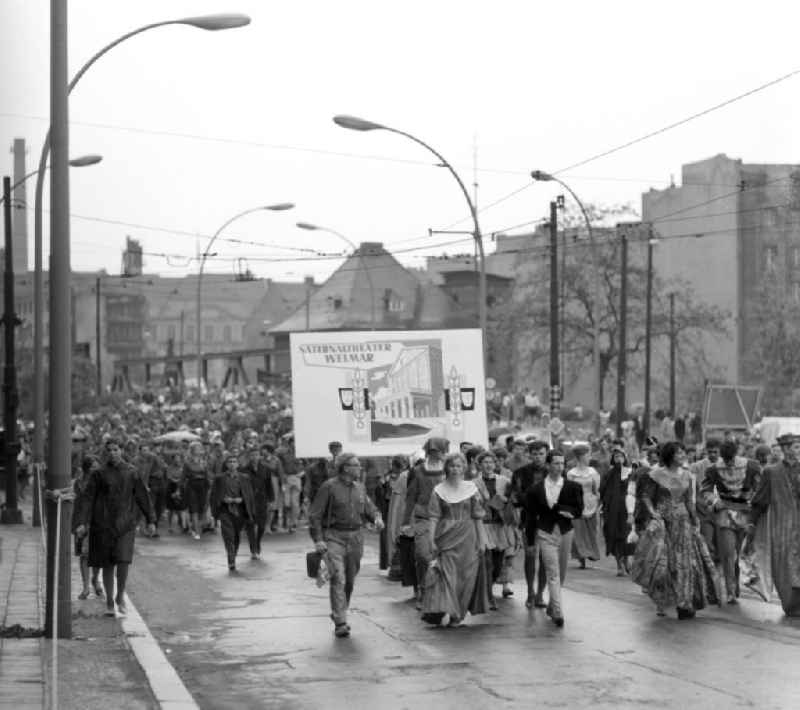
(177, 436)
(499, 431)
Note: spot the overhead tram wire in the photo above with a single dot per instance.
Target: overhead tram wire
(640, 139)
(681, 122)
(466, 240)
(323, 151)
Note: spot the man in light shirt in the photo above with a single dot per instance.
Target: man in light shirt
(550, 507)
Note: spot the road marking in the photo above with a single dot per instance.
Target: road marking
(168, 688)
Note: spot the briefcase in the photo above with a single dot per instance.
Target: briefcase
(313, 560)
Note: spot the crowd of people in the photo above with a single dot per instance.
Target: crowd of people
(684, 522)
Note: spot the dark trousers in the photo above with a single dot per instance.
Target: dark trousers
(231, 521)
(255, 533)
(158, 494)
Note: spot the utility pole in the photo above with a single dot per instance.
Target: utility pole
(180, 346)
(623, 318)
(555, 384)
(60, 358)
(648, 331)
(99, 386)
(672, 349)
(11, 513)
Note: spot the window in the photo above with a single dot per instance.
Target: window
(770, 258)
(796, 291)
(208, 333)
(226, 334)
(796, 257)
(171, 331)
(190, 333)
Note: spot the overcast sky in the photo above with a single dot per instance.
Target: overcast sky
(196, 126)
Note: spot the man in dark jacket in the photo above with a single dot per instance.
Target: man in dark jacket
(233, 504)
(108, 509)
(550, 507)
(522, 479)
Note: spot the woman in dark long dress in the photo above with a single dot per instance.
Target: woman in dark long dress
(455, 582)
(672, 563)
(613, 490)
(109, 508)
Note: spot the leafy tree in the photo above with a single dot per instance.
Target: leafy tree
(773, 343)
(520, 327)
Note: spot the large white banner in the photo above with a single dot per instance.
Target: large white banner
(385, 392)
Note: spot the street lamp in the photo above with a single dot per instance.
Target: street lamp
(57, 138)
(81, 162)
(360, 124)
(278, 207)
(541, 176)
(316, 228)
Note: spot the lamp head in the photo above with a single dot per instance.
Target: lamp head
(280, 206)
(541, 176)
(356, 124)
(85, 160)
(220, 21)
(307, 225)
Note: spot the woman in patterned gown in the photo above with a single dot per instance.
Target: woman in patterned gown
(455, 581)
(672, 563)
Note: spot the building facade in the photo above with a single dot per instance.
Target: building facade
(723, 231)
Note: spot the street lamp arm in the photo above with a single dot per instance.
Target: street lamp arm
(477, 236)
(580, 205)
(446, 164)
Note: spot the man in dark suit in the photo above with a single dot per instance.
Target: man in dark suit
(550, 507)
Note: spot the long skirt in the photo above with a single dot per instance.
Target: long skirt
(673, 566)
(584, 543)
(405, 552)
(455, 584)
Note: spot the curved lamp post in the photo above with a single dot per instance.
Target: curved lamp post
(215, 22)
(81, 162)
(57, 611)
(359, 124)
(317, 228)
(541, 176)
(278, 207)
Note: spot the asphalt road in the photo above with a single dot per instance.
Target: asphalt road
(263, 639)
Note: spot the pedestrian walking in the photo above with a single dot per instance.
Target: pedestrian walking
(153, 470)
(551, 506)
(233, 504)
(396, 484)
(613, 494)
(455, 582)
(584, 542)
(259, 482)
(108, 511)
(427, 474)
(727, 489)
(195, 485)
(776, 506)
(521, 480)
(672, 563)
(338, 513)
(80, 479)
(498, 522)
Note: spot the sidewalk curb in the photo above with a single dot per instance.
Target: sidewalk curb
(167, 687)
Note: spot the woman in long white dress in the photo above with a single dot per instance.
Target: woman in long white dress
(584, 543)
